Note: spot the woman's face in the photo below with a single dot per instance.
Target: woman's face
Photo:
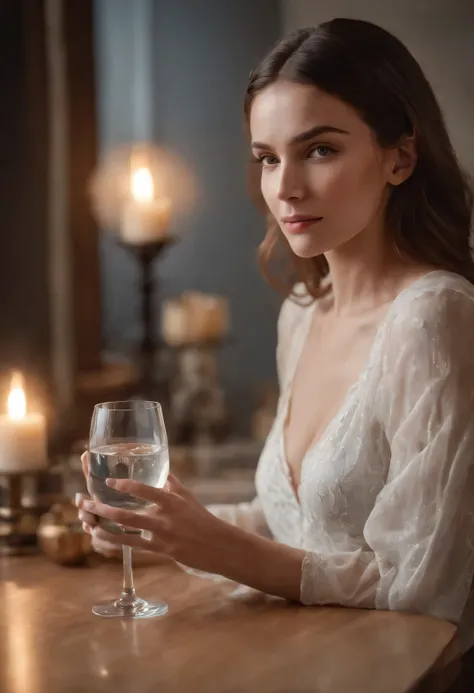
(324, 177)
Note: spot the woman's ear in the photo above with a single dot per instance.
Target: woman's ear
(403, 160)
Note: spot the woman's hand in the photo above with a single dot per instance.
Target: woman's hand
(90, 521)
(88, 524)
(176, 524)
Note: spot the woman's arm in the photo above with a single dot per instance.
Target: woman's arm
(263, 564)
(177, 526)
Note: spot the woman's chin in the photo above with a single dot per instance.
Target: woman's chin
(305, 248)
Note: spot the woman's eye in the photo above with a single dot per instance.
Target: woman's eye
(321, 151)
(268, 160)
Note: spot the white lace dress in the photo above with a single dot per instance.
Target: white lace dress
(386, 499)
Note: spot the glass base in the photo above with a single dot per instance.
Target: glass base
(139, 609)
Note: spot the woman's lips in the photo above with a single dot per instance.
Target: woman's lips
(299, 225)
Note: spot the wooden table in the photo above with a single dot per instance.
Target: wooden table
(50, 642)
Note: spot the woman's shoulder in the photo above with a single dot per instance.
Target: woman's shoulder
(429, 337)
(434, 312)
(438, 297)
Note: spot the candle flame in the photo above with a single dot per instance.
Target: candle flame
(142, 186)
(16, 399)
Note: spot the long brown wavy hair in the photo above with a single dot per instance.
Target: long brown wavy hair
(429, 215)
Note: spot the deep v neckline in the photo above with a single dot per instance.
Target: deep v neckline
(295, 488)
(286, 409)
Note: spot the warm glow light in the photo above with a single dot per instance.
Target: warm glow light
(16, 399)
(142, 187)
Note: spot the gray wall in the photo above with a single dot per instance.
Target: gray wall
(200, 53)
(440, 34)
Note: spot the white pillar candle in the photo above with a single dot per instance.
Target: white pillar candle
(144, 218)
(22, 435)
(195, 317)
(144, 222)
(175, 323)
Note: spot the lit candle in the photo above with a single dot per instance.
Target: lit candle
(144, 218)
(22, 434)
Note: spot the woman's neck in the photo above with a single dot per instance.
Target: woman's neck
(366, 273)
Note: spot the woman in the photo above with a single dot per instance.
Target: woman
(365, 485)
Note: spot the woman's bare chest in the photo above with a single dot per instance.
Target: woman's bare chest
(330, 363)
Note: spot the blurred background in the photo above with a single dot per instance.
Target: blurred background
(128, 237)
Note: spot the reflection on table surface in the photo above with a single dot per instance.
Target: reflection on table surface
(213, 640)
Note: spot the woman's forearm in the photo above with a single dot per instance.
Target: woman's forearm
(261, 563)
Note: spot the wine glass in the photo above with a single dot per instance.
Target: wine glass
(127, 441)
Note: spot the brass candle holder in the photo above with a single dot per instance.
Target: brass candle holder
(24, 497)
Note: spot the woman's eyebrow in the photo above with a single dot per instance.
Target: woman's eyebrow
(306, 135)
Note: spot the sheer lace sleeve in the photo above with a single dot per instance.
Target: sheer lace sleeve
(419, 536)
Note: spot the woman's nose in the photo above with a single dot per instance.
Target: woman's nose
(291, 184)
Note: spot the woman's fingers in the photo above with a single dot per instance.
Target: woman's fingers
(85, 459)
(89, 522)
(85, 463)
(173, 485)
(136, 541)
(154, 495)
(126, 518)
(87, 518)
(159, 496)
(104, 547)
(84, 516)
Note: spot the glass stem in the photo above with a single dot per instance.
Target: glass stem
(128, 596)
